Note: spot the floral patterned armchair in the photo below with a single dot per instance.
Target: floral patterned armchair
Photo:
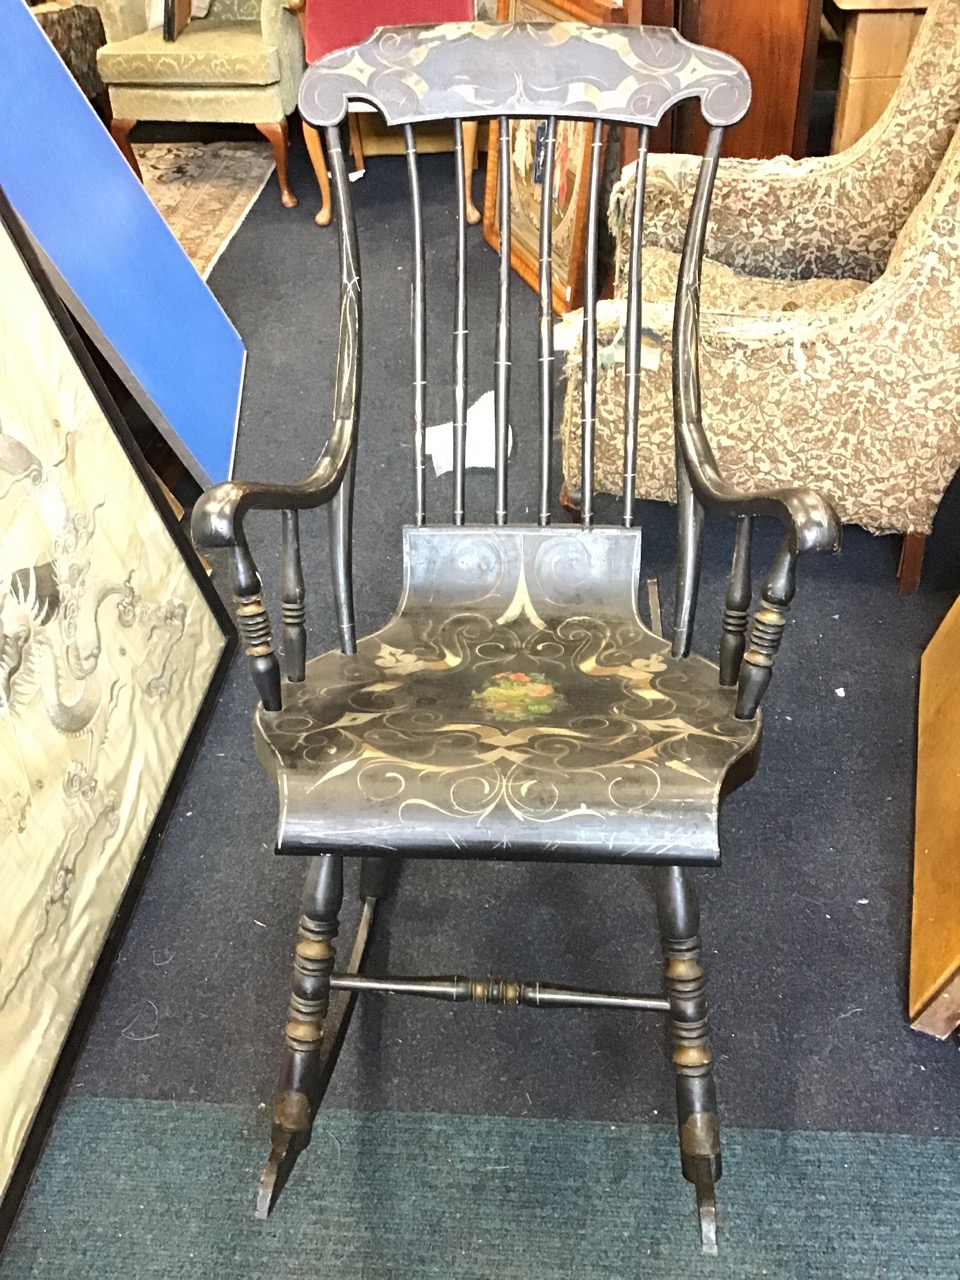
(830, 295)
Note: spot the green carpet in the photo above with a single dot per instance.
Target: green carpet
(148, 1190)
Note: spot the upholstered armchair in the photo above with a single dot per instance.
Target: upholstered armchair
(328, 25)
(241, 64)
(850, 387)
(832, 287)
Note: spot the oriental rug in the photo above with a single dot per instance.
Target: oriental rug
(204, 190)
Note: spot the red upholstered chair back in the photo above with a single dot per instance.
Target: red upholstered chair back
(331, 24)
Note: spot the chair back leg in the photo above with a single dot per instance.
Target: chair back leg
(911, 563)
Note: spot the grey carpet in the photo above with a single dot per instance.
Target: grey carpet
(806, 925)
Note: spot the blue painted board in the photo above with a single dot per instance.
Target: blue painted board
(113, 257)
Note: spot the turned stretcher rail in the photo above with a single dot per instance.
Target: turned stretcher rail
(536, 995)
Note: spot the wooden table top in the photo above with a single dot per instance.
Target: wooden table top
(881, 6)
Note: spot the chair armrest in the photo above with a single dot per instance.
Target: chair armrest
(122, 18)
(217, 521)
(217, 525)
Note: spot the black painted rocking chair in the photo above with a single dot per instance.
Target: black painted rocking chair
(516, 706)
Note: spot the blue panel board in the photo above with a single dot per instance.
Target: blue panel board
(112, 254)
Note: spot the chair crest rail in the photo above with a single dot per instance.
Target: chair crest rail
(634, 75)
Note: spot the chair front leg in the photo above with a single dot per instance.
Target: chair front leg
(120, 132)
(302, 1075)
(277, 134)
(679, 917)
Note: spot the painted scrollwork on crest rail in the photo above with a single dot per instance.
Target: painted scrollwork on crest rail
(631, 74)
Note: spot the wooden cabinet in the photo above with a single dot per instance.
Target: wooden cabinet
(935, 939)
(776, 40)
(877, 37)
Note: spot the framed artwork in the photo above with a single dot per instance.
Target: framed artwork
(112, 648)
(571, 169)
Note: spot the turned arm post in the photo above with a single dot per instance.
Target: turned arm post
(766, 632)
(293, 599)
(253, 623)
(736, 605)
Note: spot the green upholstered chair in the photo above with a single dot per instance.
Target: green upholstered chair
(241, 64)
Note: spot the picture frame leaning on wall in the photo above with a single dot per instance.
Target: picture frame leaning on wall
(113, 647)
(571, 172)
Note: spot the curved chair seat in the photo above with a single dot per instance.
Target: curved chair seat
(517, 707)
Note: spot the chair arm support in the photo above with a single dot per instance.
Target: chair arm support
(217, 525)
(217, 521)
(811, 523)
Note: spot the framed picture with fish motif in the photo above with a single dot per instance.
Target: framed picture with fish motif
(113, 646)
(571, 169)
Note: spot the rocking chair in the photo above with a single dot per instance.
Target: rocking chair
(515, 707)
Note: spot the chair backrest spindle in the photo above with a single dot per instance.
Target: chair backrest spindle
(347, 392)
(589, 344)
(418, 324)
(502, 359)
(292, 599)
(545, 280)
(634, 336)
(460, 336)
(686, 398)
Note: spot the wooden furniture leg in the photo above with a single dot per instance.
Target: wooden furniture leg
(277, 134)
(470, 128)
(356, 142)
(679, 916)
(120, 132)
(318, 159)
(911, 563)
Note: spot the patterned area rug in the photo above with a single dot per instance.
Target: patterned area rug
(204, 190)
